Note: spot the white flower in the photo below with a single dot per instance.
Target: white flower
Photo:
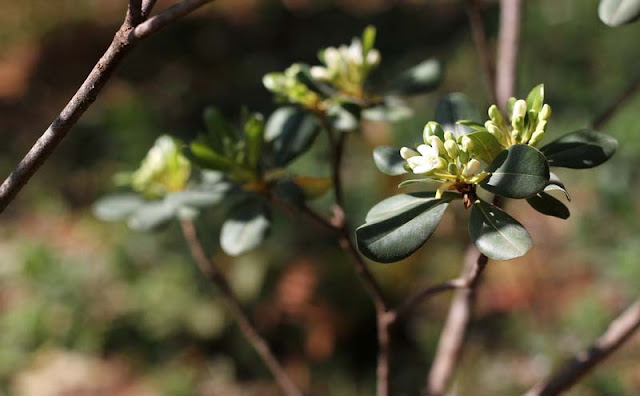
(425, 162)
(320, 73)
(472, 167)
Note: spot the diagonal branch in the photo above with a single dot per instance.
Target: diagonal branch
(215, 276)
(479, 35)
(619, 331)
(610, 111)
(123, 41)
(147, 7)
(134, 13)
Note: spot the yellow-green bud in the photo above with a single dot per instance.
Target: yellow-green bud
(493, 129)
(545, 113)
(472, 168)
(519, 109)
(463, 156)
(448, 135)
(437, 144)
(452, 149)
(467, 143)
(541, 127)
(536, 138)
(452, 168)
(496, 115)
(442, 163)
(432, 129)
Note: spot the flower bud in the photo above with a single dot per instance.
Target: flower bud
(407, 153)
(496, 115)
(463, 156)
(452, 149)
(448, 135)
(437, 144)
(467, 144)
(472, 168)
(519, 109)
(545, 113)
(493, 129)
(536, 138)
(442, 163)
(452, 168)
(432, 129)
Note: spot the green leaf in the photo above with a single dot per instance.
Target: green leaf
(368, 40)
(581, 149)
(473, 125)
(410, 182)
(453, 108)
(206, 158)
(291, 132)
(421, 78)
(246, 227)
(152, 215)
(218, 129)
(619, 12)
(254, 132)
(485, 146)
(389, 161)
(388, 112)
(556, 184)
(289, 192)
(345, 116)
(117, 207)
(197, 198)
(548, 205)
(400, 225)
(496, 234)
(520, 171)
(535, 100)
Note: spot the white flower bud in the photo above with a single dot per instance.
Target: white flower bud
(319, 73)
(452, 149)
(472, 167)
(467, 144)
(448, 135)
(496, 115)
(545, 113)
(519, 109)
(436, 143)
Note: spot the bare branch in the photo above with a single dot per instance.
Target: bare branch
(610, 111)
(482, 46)
(147, 7)
(134, 13)
(123, 41)
(508, 39)
(619, 331)
(454, 331)
(215, 276)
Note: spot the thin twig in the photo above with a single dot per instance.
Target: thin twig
(508, 40)
(482, 46)
(123, 41)
(134, 13)
(610, 111)
(619, 331)
(215, 276)
(147, 7)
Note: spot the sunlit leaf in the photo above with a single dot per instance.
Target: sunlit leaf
(581, 149)
(520, 171)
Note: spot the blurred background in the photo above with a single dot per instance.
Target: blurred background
(92, 308)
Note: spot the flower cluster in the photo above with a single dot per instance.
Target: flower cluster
(527, 123)
(163, 170)
(288, 87)
(347, 67)
(445, 159)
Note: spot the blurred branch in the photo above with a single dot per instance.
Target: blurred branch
(134, 13)
(215, 276)
(479, 35)
(619, 331)
(508, 38)
(610, 111)
(147, 7)
(123, 41)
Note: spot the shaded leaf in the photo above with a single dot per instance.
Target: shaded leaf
(400, 225)
(291, 132)
(496, 234)
(197, 198)
(389, 161)
(556, 184)
(581, 149)
(453, 108)
(246, 227)
(254, 132)
(421, 78)
(548, 205)
(117, 207)
(345, 116)
(535, 99)
(152, 215)
(485, 146)
(388, 113)
(618, 12)
(520, 171)
(206, 158)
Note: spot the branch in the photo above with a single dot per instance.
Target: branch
(123, 41)
(134, 13)
(454, 331)
(215, 276)
(482, 46)
(610, 111)
(147, 7)
(508, 38)
(619, 331)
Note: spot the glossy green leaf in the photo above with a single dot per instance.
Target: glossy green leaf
(555, 184)
(291, 132)
(535, 99)
(517, 172)
(117, 207)
(218, 129)
(197, 198)
(473, 125)
(246, 227)
(389, 161)
(485, 146)
(400, 225)
(254, 132)
(548, 205)
(206, 158)
(421, 78)
(388, 113)
(345, 116)
(581, 149)
(152, 215)
(410, 182)
(618, 12)
(453, 108)
(496, 234)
